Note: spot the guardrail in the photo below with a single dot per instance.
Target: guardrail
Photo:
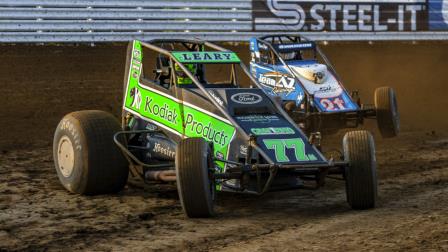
(232, 20)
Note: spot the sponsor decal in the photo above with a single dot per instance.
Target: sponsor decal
(216, 97)
(246, 98)
(68, 126)
(328, 15)
(151, 126)
(296, 46)
(205, 130)
(333, 104)
(163, 111)
(262, 46)
(136, 98)
(272, 131)
(326, 86)
(158, 148)
(279, 146)
(206, 57)
(243, 150)
(280, 83)
(258, 118)
(136, 63)
(219, 155)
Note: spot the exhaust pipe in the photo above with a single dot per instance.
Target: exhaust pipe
(165, 176)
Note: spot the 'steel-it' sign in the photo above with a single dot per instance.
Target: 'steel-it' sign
(347, 16)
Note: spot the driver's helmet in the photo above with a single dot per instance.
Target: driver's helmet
(181, 77)
(288, 55)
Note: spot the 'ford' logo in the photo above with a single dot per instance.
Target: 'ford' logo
(246, 98)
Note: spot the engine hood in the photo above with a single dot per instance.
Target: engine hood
(316, 73)
(256, 115)
(317, 80)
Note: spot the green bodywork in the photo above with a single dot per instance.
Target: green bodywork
(280, 145)
(172, 114)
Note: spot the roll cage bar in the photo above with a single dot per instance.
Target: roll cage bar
(190, 45)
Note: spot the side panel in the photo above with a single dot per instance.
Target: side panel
(170, 113)
(339, 103)
(328, 97)
(277, 83)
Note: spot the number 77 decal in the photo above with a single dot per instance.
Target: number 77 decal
(280, 145)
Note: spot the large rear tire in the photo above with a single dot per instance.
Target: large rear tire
(86, 158)
(387, 115)
(195, 187)
(360, 175)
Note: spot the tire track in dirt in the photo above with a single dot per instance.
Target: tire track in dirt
(407, 202)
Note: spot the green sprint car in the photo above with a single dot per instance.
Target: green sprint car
(181, 122)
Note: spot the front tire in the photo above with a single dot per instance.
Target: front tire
(360, 175)
(195, 187)
(86, 158)
(387, 115)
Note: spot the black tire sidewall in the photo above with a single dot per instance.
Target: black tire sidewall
(395, 116)
(203, 184)
(388, 116)
(357, 187)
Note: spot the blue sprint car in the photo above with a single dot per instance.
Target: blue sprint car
(294, 70)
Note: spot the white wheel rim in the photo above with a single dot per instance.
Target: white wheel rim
(66, 156)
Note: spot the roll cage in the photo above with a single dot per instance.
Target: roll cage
(165, 65)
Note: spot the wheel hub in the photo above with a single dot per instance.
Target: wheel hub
(66, 156)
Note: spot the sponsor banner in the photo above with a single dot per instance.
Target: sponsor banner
(438, 14)
(206, 57)
(350, 16)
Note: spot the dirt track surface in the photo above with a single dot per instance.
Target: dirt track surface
(38, 85)
(36, 213)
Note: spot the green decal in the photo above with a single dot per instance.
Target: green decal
(272, 131)
(206, 57)
(312, 157)
(279, 149)
(279, 146)
(172, 114)
(212, 129)
(299, 148)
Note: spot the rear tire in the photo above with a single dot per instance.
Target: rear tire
(86, 158)
(387, 115)
(195, 188)
(360, 175)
